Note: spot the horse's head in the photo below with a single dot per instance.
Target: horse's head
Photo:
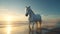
(27, 10)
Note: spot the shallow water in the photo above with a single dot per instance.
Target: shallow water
(14, 30)
(17, 28)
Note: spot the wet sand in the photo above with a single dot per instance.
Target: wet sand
(51, 31)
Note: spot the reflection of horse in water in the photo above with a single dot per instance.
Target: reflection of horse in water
(33, 18)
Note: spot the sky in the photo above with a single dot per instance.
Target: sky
(48, 9)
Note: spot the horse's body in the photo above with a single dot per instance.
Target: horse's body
(33, 18)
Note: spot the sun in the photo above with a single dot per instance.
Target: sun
(8, 18)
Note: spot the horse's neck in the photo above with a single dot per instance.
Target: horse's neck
(32, 13)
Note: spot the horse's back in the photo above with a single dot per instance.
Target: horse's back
(35, 17)
(38, 16)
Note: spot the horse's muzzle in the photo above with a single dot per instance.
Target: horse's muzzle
(26, 15)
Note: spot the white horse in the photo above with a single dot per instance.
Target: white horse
(33, 18)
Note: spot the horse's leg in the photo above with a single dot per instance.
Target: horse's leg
(32, 28)
(36, 26)
(29, 28)
(40, 27)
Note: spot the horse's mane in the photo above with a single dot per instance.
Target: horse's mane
(31, 11)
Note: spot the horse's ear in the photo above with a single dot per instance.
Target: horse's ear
(26, 6)
(29, 6)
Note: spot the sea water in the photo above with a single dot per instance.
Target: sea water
(20, 28)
